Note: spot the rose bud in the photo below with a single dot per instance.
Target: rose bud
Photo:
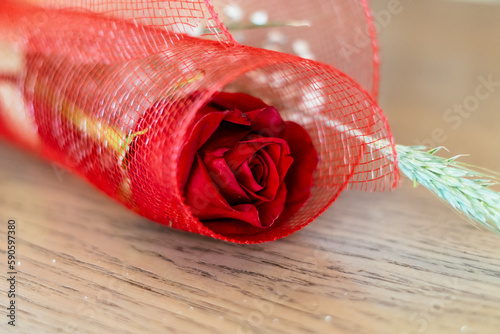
(241, 170)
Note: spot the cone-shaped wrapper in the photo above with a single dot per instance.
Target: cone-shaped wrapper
(124, 95)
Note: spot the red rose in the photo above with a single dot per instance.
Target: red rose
(242, 167)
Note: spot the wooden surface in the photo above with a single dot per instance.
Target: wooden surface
(396, 262)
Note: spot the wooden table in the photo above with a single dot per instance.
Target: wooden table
(396, 262)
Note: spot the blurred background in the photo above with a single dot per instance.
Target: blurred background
(435, 59)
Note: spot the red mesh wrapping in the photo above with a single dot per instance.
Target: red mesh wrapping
(91, 73)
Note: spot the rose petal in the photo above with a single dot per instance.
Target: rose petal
(299, 177)
(281, 157)
(226, 136)
(270, 211)
(205, 128)
(207, 203)
(258, 168)
(224, 177)
(273, 180)
(266, 122)
(246, 148)
(241, 101)
(246, 178)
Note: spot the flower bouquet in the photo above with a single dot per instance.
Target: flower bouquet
(160, 106)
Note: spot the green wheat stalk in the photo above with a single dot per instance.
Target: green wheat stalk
(465, 187)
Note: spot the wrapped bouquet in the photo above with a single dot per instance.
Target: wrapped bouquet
(187, 115)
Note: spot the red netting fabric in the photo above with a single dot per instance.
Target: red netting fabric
(79, 80)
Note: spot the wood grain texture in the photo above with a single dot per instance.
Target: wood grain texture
(397, 262)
